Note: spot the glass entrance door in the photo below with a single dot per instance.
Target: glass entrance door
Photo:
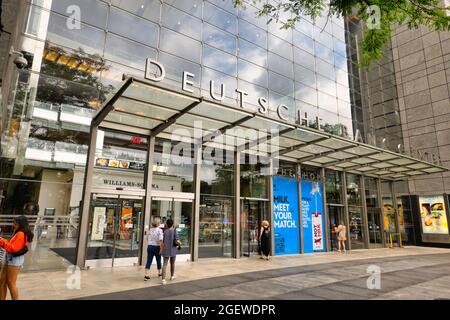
(253, 212)
(114, 230)
(180, 211)
(374, 221)
(216, 227)
(336, 216)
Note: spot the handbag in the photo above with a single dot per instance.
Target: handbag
(21, 252)
(175, 241)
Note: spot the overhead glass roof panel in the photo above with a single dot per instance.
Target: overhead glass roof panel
(359, 151)
(207, 109)
(345, 164)
(314, 149)
(156, 96)
(333, 143)
(323, 160)
(284, 142)
(132, 120)
(364, 169)
(200, 123)
(399, 169)
(398, 176)
(171, 113)
(181, 131)
(402, 162)
(414, 173)
(418, 166)
(298, 154)
(433, 170)
(143, 109)
(341, 155)
(302, 135)
(363, 160)
(383, 156)
(382, 165)
(265, 124)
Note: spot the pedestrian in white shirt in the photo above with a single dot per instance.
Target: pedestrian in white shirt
(154, 248)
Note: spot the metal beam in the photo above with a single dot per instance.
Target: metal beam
(298, 177)
(271, 207)
(325, 212)
(210, 136)
(365, 219)
(109, 104)
(196, 214)
(346, 213)
(237, 205)
(86, 200)
(380, 206)
(299, 146)
(148, 198)
(167, 123)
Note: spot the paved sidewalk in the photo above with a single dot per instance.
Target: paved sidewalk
(424, 271)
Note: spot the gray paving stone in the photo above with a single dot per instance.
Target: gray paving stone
(296, 295)
(327, 294)
(341, 288)
(419, 276)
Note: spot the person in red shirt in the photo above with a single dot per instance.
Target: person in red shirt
(15, 252)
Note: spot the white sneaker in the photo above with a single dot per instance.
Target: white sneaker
(163, 282)
(173, 277)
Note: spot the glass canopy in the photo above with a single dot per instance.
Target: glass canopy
(159, 110)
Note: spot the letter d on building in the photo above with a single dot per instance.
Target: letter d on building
(152, 75)
(374, 280)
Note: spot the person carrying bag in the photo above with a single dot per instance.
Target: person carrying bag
(16, 248)
(171, 244)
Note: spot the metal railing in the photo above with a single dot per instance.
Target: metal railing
(65, 225)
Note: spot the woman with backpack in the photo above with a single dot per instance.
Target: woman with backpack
(15, 256)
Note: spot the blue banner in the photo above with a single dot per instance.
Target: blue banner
(285, 216)
(313, 217)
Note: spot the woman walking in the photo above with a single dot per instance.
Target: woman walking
(171, 244)
(264, 238)
(342, 236)
(154, 248)
(15, 256)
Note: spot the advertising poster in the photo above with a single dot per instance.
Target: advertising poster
(98, 223)
(434, 215)
(125, 222)
(313, 219)
(285, 216)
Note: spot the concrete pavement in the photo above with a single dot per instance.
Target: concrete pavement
(409, 273)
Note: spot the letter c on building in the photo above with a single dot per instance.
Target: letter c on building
(149, 75)
(280, 114)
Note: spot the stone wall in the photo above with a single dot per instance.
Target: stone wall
(422, 70)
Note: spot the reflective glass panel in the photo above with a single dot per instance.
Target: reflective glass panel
(120, 22)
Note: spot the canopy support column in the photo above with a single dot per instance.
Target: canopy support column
(86, 200)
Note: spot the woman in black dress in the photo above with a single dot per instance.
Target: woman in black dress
(264, 238)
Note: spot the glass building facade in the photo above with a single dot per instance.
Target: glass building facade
(78, 51)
